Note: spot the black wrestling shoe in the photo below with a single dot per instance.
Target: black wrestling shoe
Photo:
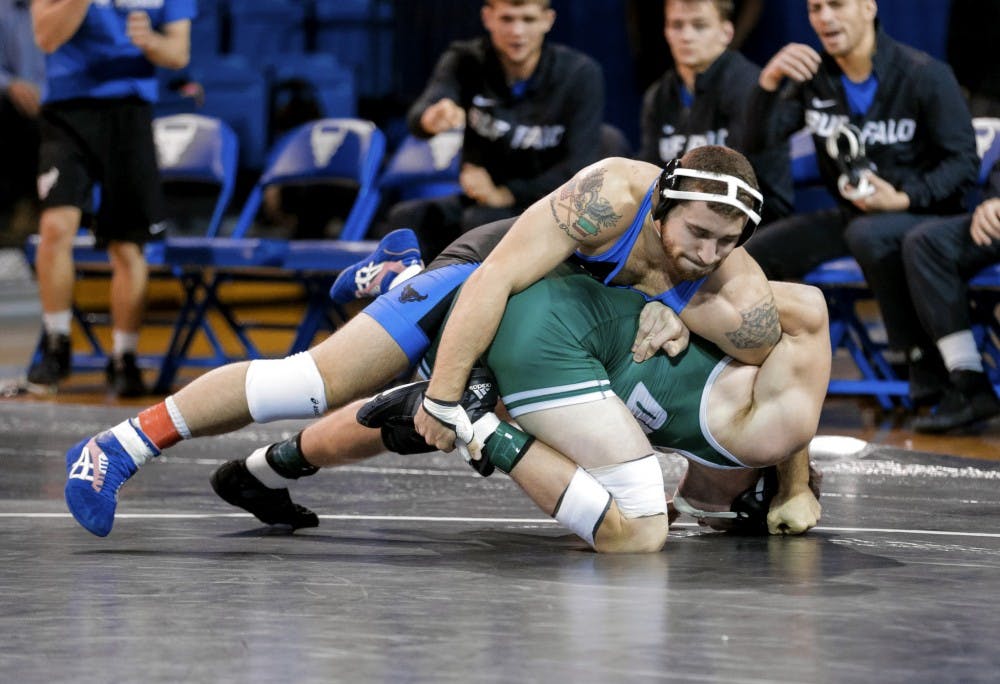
(124, 376)
(54, 365)
(237, 486)
(970, 399)
(927, 376)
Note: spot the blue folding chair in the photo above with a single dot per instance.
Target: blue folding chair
(327, 151)
(424, 167)
(192, 148)
(843, 284)
(198, 149)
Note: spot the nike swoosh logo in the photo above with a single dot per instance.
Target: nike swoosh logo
(822, 104)
(480, 101)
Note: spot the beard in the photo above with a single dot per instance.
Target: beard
(679, 267)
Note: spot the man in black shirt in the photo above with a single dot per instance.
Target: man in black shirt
(901, 150)
(703, 99)
(532, 114)
(941, 255)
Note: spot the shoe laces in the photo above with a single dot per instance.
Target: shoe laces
(366, 275)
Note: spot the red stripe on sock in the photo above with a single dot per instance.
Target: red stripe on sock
(158, 427)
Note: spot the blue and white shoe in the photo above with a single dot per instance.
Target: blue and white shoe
(96, 468)
(374, 275)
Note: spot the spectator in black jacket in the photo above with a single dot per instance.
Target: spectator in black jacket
(901, 150)
(532, 113)
(702, 100)
(940, 256)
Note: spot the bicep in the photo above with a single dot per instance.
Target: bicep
(735, 310)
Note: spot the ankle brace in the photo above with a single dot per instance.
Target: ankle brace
(506, 445)
(286, 459)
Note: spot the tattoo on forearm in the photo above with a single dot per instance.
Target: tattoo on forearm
(580, 210)
(760, 327)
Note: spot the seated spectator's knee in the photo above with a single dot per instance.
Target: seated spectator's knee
(859, 237)
(919, 244)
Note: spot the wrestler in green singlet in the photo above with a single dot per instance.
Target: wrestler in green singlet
(568, 340)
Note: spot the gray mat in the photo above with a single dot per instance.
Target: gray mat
(421, 571)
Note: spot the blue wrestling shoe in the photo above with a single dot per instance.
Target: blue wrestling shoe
(375, 274)
(96, 468)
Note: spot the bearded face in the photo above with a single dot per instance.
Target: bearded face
(696, 239)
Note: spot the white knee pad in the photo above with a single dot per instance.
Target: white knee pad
(285, 388)
(636, 486)
(583, 506)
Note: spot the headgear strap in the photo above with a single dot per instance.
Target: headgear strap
(669, 192)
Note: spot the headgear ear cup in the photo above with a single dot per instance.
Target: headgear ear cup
(847, 150)
(668, 181)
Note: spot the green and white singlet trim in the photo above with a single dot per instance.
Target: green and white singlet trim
(566, 341)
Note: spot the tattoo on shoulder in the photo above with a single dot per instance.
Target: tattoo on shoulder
(579, 208)
(759, 328)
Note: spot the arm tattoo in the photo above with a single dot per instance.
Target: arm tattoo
(579, 209)
(760, 327)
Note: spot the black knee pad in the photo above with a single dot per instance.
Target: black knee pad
(394, 409)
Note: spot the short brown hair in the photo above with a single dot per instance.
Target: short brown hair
(723, 7)
(724, 160)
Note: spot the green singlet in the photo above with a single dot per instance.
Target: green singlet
(568, 340)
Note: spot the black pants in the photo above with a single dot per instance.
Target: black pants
(790, 248)
(438, 221)
(940, 257)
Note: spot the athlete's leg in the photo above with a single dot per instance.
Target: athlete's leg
(555, 484)
(260, 482)
(129, 278)
(610, 493)
(54, 265)
(338, 439)
(357, 359)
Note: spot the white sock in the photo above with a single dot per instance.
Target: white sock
(123, 342)
(259, 467)
(134, 444)
(57, 322)
(959, 352)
